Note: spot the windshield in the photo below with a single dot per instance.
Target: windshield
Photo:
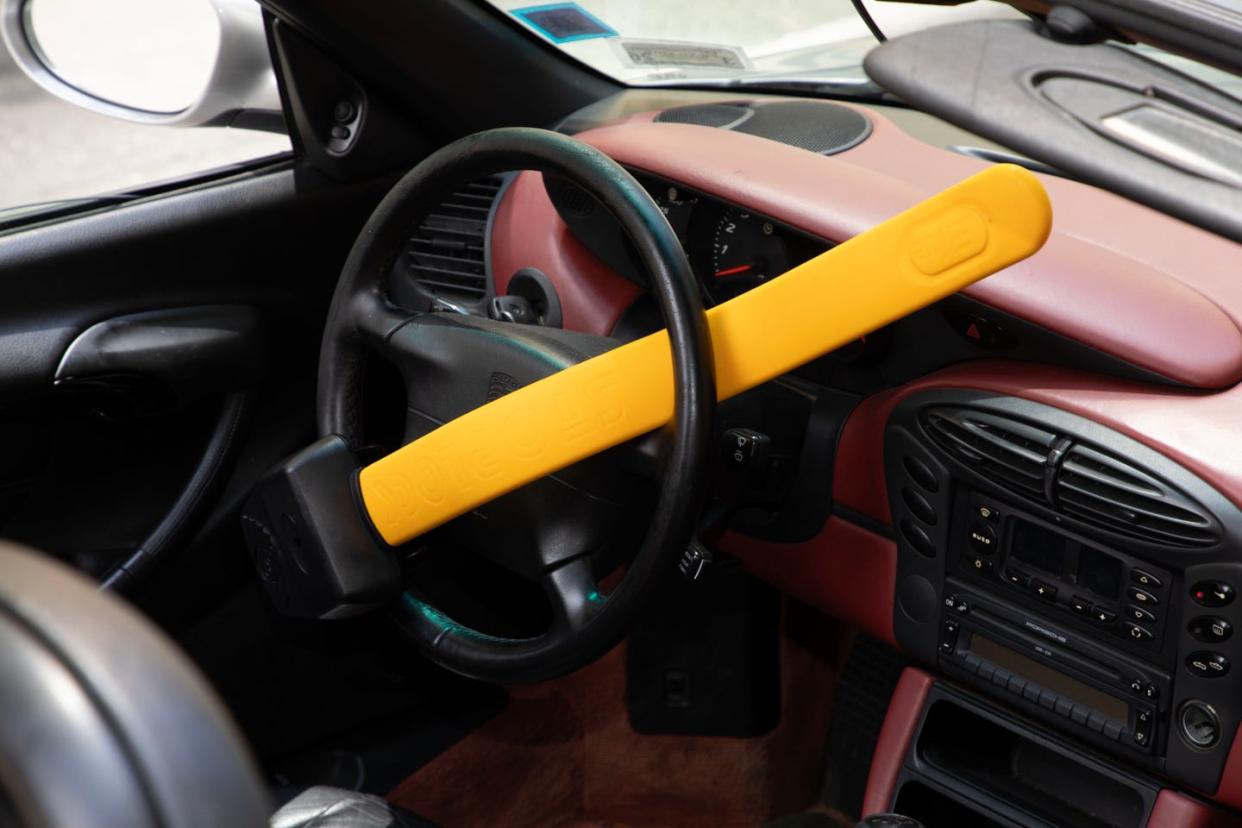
(655, 42)
(672, 42)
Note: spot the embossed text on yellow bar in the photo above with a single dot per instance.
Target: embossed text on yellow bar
(975, 228)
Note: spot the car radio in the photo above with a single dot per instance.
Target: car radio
(1050, 671)
(1071, 572)
(1101, 589)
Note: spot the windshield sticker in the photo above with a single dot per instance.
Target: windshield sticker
(678, 53)
(563, 22)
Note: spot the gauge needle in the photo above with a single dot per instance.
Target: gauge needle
(731, 271)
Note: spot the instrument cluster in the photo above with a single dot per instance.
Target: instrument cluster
(730, 248)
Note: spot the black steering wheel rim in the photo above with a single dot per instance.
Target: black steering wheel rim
(360, 297)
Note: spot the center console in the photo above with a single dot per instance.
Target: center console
(1071, 574)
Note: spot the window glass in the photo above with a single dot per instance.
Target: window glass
(53, 151)
(652, 42)
(670, 42)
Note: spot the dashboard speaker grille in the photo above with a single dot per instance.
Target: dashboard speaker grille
(446, 253)
(1109, 492)
(818, 126)
(720, 116)
(1008, 452)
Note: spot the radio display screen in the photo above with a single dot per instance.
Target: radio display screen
(1047, 677)
(1039, 547)
(1065, 558)
(1098, 572)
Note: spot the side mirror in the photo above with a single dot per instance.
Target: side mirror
(170, 62)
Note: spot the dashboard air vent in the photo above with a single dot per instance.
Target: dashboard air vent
(1008, 452)
(446, 253)
(1113, 494)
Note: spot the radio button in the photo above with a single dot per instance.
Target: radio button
(948, 637)
(1151, 692)
(1080, 714)
(1209, 628)
(1103, 616)
(1137, 613)
(1048, 699)
(1096, 722)
(956, 604)
(1113, 731)
(1142, 597)
(978, 564)
(1137, 686)
(1143, 721)
(986, 670)
(1046, 591)
(1138, 633)
(982, 538)
(1145, 579)
(1080, 605)
(1207, 664)
(1063, 706)
(1212, 593)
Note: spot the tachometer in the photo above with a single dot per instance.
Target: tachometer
(746, 251)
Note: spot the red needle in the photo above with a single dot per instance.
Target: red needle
(733, 270)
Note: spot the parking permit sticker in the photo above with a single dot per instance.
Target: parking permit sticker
(563, 22)
(677, 53)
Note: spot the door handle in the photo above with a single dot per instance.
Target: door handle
(155, 360)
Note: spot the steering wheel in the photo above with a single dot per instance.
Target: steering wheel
(452, 363)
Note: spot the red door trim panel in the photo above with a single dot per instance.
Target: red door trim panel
(900, 723)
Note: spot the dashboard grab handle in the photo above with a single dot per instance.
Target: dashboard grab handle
(971, 230)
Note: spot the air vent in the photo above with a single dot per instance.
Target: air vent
(446, 255)
(1111, 493)
(1008, 452)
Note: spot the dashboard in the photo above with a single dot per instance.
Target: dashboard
(1119, 344)
(731, 248)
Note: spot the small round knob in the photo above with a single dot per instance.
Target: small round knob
(1199, 725)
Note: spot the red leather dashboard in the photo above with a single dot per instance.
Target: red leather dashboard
(1123, 279)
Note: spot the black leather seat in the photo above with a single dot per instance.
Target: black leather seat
(103, 722)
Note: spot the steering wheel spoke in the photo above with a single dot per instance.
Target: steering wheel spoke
(375, 320)
(645, 456)
(574, 594)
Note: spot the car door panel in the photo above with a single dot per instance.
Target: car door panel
(156, 314)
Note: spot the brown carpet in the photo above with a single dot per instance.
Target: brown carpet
(562, 753)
